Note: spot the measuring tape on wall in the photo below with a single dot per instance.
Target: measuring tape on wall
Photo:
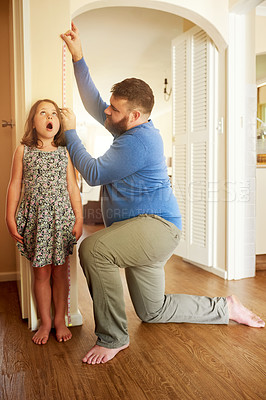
(68, 297)
(64, 75)
(64, 105)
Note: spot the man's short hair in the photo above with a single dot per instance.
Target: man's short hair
(137, 92)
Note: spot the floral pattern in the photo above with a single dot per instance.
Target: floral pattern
(45, 217)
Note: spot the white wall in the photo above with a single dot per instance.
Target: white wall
(45, 61)
(260, 34)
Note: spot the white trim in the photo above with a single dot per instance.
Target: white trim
(244, 6)
(8, 276)
(216, 271)
(76, 320)
(214, 152)
(241, 150)
(261, 82)
(261, 10)
(182, 10)
(230, 236)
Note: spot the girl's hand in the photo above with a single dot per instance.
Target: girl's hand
(68, 118)
(77, 229)
(72, 40)
(12, 227)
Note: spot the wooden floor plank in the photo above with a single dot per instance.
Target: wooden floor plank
(163, 362)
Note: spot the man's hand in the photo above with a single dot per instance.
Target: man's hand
(72, 40)
(68, 118)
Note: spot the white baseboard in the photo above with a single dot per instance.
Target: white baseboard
(76, 320)
(8, 276)
(216, 271)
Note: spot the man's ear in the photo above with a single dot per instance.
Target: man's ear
(135, 115)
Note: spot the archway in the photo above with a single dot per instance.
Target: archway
(111, 19)
(213, 20)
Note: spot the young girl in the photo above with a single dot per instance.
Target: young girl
(49, 218)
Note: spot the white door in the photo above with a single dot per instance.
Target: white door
(193, 63)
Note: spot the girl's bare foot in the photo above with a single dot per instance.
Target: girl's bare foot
(42, 335)
(100, 355)
(240, 314)
(63, 334)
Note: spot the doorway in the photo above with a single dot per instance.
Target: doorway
(142, 50)
(8, 269)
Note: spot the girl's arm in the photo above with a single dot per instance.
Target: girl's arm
(14, 192)
(75, 199)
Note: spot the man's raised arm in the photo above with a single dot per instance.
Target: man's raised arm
(89, 94)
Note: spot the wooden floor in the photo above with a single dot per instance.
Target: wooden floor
(167, 361)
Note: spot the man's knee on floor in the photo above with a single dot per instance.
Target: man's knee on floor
(144, 316)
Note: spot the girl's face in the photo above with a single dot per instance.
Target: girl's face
(46, 121)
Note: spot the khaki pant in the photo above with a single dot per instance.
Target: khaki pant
(141, 245)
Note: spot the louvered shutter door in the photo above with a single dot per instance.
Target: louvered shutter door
(180, 129)
(199, 150)
(191, 145)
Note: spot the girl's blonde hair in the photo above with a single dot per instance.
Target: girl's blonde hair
(30, 136)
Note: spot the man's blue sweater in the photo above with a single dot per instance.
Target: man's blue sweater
(133, 171)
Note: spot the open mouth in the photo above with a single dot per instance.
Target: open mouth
(49, 126)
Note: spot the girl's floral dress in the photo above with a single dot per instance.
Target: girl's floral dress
(45, 217)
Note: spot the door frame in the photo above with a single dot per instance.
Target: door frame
(20, 99)
(241, 147)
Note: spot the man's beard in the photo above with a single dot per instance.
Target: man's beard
(116, 128)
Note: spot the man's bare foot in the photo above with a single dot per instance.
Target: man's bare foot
(63, 334)
(100, 355)
(240, 314)
(42, 335)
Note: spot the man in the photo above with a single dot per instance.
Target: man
(142, 218)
